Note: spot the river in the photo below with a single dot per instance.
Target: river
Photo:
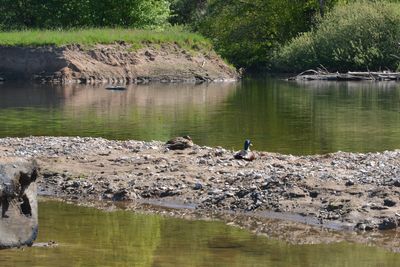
(278, 116)
(89, 237)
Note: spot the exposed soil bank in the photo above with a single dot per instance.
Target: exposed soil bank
(113, 64)
(341, 191)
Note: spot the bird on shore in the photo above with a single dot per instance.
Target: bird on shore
(180, 143)
(245, 153)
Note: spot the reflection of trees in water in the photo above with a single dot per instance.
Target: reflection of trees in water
(154, 111)
(21, 95)
(279, 116)
(291, 117)
(89, 237)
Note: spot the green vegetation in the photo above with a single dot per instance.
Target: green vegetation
(187, 12)
(339, 34)
(51, 14)
(103, 36)
(359, 36)
(247, 32)
(278, 35)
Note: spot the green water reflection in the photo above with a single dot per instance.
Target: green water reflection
(279, 116)
(88, 237)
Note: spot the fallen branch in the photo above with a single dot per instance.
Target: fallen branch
(322, 75)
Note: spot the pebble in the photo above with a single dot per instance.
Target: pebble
(135, 169)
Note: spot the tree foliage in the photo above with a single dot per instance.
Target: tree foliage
(20, 14)
(246, 32)
(187, 12)
(362, 35)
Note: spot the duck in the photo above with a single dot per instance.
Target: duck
(180, 143)
(245, 153)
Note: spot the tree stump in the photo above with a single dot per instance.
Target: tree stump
(18, 202)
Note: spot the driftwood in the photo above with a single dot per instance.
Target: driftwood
(323, 75)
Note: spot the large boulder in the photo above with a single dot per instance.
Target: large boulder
(18, 202)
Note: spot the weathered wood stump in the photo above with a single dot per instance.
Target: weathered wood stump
(18, 202)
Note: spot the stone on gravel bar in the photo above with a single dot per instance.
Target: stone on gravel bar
(18, 202)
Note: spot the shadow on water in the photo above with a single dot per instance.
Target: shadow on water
(89, 237)
(279, 116)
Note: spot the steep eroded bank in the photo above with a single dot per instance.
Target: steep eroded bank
(118, 63)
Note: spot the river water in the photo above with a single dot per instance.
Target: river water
(278, 116)
(89, 237)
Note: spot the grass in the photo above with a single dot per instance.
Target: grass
(94, 36)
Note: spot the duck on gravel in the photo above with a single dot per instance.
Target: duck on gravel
(180, 143)
(245, 153)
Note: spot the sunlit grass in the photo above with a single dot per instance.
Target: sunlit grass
(103, 36)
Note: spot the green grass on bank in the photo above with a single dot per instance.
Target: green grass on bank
(104, 36)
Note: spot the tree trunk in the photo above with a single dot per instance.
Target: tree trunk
(322, 7)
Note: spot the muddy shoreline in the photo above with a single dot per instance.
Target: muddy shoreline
(119, 63)
(301, 199)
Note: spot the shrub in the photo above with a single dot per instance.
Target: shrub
(363, 35)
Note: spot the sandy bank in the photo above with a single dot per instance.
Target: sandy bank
(118, 63)
(340, 191)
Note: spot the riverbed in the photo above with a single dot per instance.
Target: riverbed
(341, 191)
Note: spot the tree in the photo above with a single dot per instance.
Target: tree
(247, 32)
(187, 12)
(19, 14)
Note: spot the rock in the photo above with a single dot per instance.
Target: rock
(242, 193)
(295, 193)
(365, 226)
(314, 194)
(19, 216)
(377, 207)
(387, 224)
(116, 88)
(49, 244)
(197, 186)
(389, 203)
(334, 206)
(121, 195)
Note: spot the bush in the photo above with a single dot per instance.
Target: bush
(363, 35)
